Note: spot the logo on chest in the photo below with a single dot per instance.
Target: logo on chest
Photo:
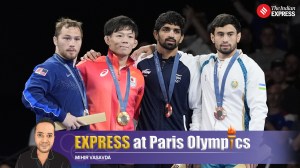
(234, 84)
(104, 72)
(146, 72)
(178, 78)
(132, 81)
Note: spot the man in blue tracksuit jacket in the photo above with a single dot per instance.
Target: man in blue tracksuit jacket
(55, 89)
(56, 93)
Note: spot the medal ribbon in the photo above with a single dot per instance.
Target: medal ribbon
(220, 95)
(123, 103)
(161, 79)
(81, 89)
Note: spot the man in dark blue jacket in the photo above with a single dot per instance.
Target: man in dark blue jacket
(55, 88)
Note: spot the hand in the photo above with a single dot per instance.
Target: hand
(71, 122)
(147, 50)
(91, 55)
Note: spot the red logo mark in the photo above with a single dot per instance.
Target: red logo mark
(263, 10)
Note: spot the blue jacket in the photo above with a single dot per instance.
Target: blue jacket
(185, 99)
(51, 91)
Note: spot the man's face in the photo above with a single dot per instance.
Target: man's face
(169, 36)
(225, 39)
(121, 42)
(44, 137)
(68, 42)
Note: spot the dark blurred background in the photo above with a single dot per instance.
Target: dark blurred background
(27, 31)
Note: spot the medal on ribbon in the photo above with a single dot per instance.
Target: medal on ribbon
(123, 117)
(167, 96)
(220, 113)
(168, 109)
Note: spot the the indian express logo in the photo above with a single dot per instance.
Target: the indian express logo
(264, 11)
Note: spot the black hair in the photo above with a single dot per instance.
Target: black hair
(222, 20)
(43, 120)
(119, 23)
(169, 17)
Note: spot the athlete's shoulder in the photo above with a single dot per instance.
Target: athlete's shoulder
(50, 66)
(143, 57)
(249, 63)
(100, 59)
(247, 60)
(198, 58)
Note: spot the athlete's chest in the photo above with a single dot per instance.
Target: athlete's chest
(233, 78)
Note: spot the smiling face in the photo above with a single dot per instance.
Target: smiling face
(44, 137)
(121, 42)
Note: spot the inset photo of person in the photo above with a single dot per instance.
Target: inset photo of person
(42, 154)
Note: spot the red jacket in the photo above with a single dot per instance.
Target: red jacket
(102, 95)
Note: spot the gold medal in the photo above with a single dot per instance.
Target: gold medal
(123, 118)
(220, 113)
(169, 110)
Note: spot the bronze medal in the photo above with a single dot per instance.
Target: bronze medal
(168, 109)
(123, 118)
(220, 113)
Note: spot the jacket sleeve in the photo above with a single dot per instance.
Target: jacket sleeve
(194, 90)
(139, 97)
(81, 66)
(41, 83)
(256, 97)
(195, 96)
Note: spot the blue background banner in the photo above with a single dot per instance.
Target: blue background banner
(168, 147)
